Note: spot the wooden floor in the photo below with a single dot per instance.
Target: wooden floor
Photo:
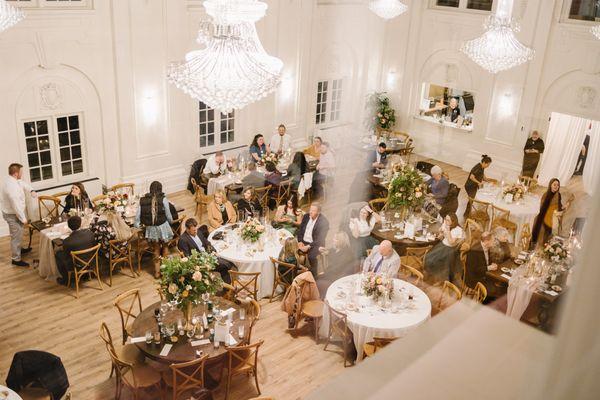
(35, 314)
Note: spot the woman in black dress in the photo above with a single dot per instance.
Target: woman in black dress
(531, 154)
(248, 206)
(78, 199)
(297, 169)
(476, 179)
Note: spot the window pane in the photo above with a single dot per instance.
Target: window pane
(43, 142)
(47, 172)
(77, 166)
(211, 140)
(29, 129)
(73, 122)
(42, 127)
(202, 116)
(223, 137)
(202, 141)
(31, 144)
(33, 160)
(485, 5)
(588, 10)
(223, 125)
(62, 124)
(211, 127)
(63, 139)
(66, 168)
(75, 152)
(65, 154)
(448, 3)
(231, 124)
(45, 157)
(231, 134)
(75, 139)
(202, 130)
(211, 114)
(35, 174)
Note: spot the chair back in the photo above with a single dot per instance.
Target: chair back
(48, 206)
(119, 251)
(338, 323)
(129, 305)
(96, 200)
(525, 238)
(177, 227)
(252, 311)
(480, 292)
(122, 369)
(415, 274)
(499, 214)
(123, 188)
(245, 282)
(380, 342)
(84, 260)
(480, 212)
(243, 358)
(262, 194)
(379, 204)
(473, 230)
(284, 273)
(199, 193)
(449, 290)
(418, 255)
(106, 336)
(188, 375)
(283, 191)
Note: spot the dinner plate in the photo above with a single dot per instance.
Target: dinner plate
(519, 261)
(506, 270)
(556, 288)
(351, 307)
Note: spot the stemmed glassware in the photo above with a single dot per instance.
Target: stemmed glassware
(191, 331)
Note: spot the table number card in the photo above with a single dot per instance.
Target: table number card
(165, 350)
(222, 331)
(409, 230)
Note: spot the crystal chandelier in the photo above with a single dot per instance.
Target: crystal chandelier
(9, 15)
(596, 31)
(498, 49)
(233, 69)
(387, 9)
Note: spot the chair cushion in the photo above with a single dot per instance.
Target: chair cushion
(369, 349)
(33, 393)
(145, 376)
(313, 308)
(130, 354)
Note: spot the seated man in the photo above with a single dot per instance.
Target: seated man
(216, 164)
(378, 158)
(254, 179)
(311, 235)
(79, 239)
(479, 260)
(383, 260)
(194, 239)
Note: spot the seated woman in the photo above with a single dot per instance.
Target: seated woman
(289, 254)
(78, 199)
(258, 148)
(154, 214)
(288, 215)
(314, 150)
(442, 262)
(500, 250)
(297, 169)
(438, 185)
(220, 211)
(341, 262)
(361, 227)
(272, 176)
(248, 206)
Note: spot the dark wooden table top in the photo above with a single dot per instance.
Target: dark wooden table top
(378, 234)
(182, 350)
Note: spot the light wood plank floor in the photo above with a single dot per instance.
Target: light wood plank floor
(35, 314)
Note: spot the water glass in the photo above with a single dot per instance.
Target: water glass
(241, 331)
(191, 332)
(148, 337)
(216, 344)
(242, 314)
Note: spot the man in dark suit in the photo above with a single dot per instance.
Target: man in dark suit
(254, 178)
(311, 235)
(194, 239)
(479, 260)
(79, 239)
(378, 158)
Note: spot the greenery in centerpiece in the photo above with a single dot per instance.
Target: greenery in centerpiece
(406, 189)
(185, 279)
(555, 250)
(252, 230)
(381, 115)
(375, 285)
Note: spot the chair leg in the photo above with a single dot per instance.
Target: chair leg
(316, 322)
(76, 285)
(98, 276)
(110, 271)
(274, 287)
(69, 279)
(256, 381)
(228, 385)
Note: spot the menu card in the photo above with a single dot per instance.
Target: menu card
(409, 230)
(138, 339)
(222, 331)
(200, 342)
(166, 349)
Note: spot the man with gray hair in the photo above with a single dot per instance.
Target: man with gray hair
(479, 260)
(383, 260)
(438, 185)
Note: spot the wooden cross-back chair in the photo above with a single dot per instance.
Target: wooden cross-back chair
(480, 212)
(415, 276)
(201, 198)
(129, 305)
(96, 200)
(525, 238)
(480, 292)
(262, 194)
(283, 278)
(501, 217)
(338, 328)
(378, 205)
(177, 227)
(48, 206)
(244, 282)
(128, 353)
(449, 294)
(283, 192)
(186, 376)
(137, 377)
(119, 253)
(473, 230)
(415, 257)
(242, 360)
(529, 182)
(378, 343)
(128, 188)
(61, 196)
(84, 262)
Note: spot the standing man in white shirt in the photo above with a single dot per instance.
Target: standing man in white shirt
(216, 164)
(312, 234)
(13, 210)
(281, 141)
(325, 169)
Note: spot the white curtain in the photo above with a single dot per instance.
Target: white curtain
(563, 144)
(591, 172)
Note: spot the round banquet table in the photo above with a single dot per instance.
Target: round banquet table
(183, 351)
(401, 243)
(370, 320)
(522, 211)
(246, 256)
(8, 394)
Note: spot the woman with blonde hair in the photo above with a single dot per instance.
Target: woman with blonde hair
(220, 211)
(289, 254)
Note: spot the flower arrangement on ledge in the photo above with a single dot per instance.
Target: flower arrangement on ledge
(517, 191)
(252, 230)
(555, 250)
(406, 189)
(375, 286)
(113, 202)
(383, 116)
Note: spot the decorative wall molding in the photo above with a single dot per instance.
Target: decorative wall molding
(51, 97)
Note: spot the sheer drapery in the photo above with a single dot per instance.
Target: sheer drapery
(591, 172)
(563, 144)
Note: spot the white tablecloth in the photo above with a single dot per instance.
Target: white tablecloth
(47, 268)
(8, 394)
(370, 321)
(246, 256)
(220, 182)
(522, 211)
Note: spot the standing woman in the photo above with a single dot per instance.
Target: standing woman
(297, 169)
(258, 148)
(534, 146)
(476, 179)
(154, 214)
(220, 211)
(550, 203)
(361, 228)
(78, 199)
(442, 261)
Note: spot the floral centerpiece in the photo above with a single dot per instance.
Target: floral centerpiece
(272, 157)
(517, 191)
(406, 189)
(555, 250)
(113, 202)
(375, 286)
(252, 230)
(382, 115)
(184, 280)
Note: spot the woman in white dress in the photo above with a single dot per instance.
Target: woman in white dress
(361, 228)
(442, 263)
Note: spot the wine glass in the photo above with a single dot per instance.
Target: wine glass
(170, 329)
(191, 332)
(217, 314)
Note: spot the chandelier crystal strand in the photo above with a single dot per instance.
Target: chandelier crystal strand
(233, 69)
(9, 15)
(387, 9)
(498, 49)
(596, 31)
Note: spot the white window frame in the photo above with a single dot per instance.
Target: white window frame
(462, 7)
(63, 4)
(57, 177)
(218, 118)
(564, 16)
(334, 105)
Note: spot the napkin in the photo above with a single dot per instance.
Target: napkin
(551, 292)
(231, 340)
(228, 311)
(505, 276)
(138, 339)
(420, 239)
(200, 342)
(165, 350)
